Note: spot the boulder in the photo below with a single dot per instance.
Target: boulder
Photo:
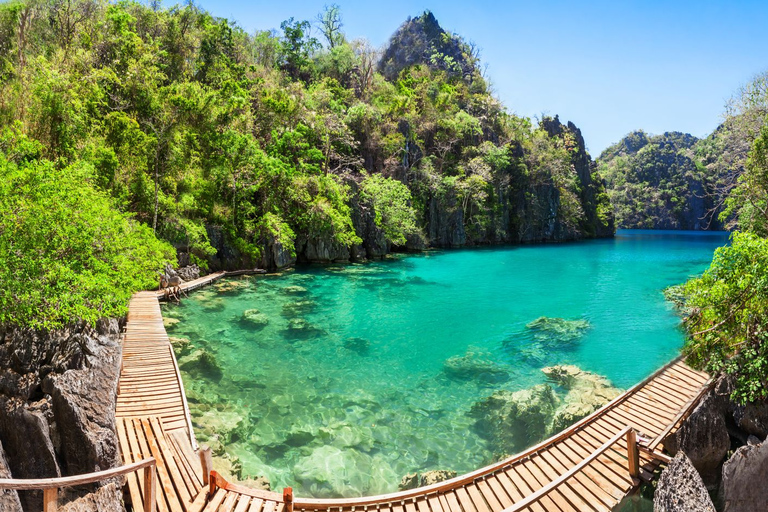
(744, 479)
(26, 436)
(703, 436)
(57, 400)
(680, 489)
(512, 421)
(9, 499)
(189, 273)
(752, 418)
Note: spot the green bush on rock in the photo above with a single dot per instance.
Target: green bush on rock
(728, 312)
(65, 252)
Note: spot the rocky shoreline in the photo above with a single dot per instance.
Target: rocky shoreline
(724, 443)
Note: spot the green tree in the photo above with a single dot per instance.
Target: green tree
(391, 205)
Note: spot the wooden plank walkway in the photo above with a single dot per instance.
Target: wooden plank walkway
(586, 467)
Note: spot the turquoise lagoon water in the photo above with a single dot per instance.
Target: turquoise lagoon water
(344, 391)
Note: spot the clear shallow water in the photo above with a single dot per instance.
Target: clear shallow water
(343, 391)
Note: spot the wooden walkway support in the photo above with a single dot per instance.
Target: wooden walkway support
(590, 466)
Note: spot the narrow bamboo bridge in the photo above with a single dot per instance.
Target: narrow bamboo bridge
(591, 466)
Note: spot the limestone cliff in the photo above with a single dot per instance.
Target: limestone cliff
(57, 403)
(657, 182)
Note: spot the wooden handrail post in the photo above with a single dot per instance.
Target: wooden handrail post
(206, 462)
(150, 488)
(50, 499)
(288, 499)
(213, 484)
(633, 456)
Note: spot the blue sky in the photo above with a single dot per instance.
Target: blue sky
(610, 67)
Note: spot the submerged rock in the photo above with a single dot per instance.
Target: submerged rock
(255, 318)
(435, 476)
(330, 471)
(475, 366)
(557, 330)
(180, 345)
(230, 286)
(301, 328)
(409, 481)
(201, 362)
(586, 393)
(298, 308)
(257, 482)
(680, 489)
(169, 321)
(295, 290)
(414, 480)
(512, 421)
(360, 346)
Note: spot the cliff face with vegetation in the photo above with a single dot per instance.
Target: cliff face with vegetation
(265, 149)
(659, 182)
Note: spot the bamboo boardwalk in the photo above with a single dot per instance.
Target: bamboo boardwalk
(591, 466)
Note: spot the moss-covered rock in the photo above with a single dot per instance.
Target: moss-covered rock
(511, 421)
(298, 308)
(586, 393)
(201, 362)
(255, 318)
(557, 330)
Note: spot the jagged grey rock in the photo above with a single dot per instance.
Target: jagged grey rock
(704, 439)
(108, 498)
(9, 499)
(745, 475)
(57, 401)
(84, 408)
(680, 489)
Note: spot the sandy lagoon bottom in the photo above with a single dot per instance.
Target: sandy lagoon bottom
(338, 380)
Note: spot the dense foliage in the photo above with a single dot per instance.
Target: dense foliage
(659, 182)
(65, 252)
(207, 133)
(727, 306)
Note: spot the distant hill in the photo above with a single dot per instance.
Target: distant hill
(658, 182)
(422, 40)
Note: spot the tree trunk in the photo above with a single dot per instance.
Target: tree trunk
(154, 220)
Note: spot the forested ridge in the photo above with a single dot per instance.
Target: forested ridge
(295, 144)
